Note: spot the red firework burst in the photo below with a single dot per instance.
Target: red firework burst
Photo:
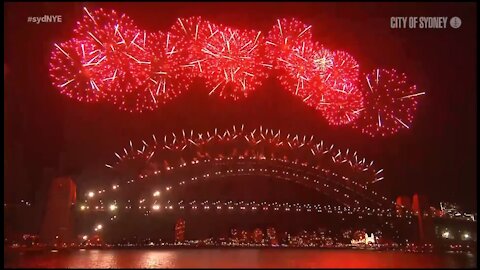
(299, 76)
(390, 103)
(73, 73)
(291, 49)
(239, 65)
(109, 58)
(163, 72)
(286, 36)
(191, 35)
(121, 47)
(312, 91)
(323, 60)
(341, 106)
(338, 68)
(335, 82)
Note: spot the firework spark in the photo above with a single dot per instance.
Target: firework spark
(73, 73)
(390, 103)
(238, 68)
(121, 52)
(342, 106)
(191, 36)
(338, 68)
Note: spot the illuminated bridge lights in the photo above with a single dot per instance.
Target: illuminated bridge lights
(253, 163)
(168, 188)
(275, 206)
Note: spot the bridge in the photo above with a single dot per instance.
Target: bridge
(151, 178)
(151, 183)
(180, 160)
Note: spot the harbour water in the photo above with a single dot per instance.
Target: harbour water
(235, 258)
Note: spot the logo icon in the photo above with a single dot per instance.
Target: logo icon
(455, 22)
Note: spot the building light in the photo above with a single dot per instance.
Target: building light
(113, 207)
(99, 227)
(156, 207)
(91, 194)
(156, 193)
(85, 237)
(446, 234)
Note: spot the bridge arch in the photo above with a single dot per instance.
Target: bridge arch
(190, 155)
(344, 191)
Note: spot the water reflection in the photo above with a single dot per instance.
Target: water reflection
(245, 258)
(158, 259)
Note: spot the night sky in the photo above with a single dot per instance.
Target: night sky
(48, 134)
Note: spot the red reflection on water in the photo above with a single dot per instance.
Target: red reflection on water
(372, 259)
(244, 258)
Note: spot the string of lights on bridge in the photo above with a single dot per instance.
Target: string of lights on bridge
(111, 59)
(257, 137)
(251, 163)
(323, 155)
(229, 173)
(249, 206)
(244, 207)
(275, 173)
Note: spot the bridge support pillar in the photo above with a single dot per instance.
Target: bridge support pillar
(58, 220)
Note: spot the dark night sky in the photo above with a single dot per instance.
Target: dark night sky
(437, 157)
